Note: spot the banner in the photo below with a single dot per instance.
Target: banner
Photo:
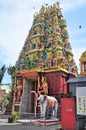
(81, 100)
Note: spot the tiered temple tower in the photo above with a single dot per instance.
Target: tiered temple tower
(83, 64)
(47, 54)
(47, 46)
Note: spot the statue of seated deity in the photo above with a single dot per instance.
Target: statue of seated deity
(44, 87)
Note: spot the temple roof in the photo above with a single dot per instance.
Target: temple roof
(47, 47)
(83, 56)
(77, 80)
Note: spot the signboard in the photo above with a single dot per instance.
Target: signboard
(30, 74)
(81, 100)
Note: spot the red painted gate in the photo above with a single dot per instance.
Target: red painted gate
(68, 114)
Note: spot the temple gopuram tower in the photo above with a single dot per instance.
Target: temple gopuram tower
(46, 60)
(83, 64)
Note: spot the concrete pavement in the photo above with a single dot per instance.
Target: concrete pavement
(4, 122)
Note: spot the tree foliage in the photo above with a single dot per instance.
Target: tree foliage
(2, 72)
(6, 101)
(12, 72)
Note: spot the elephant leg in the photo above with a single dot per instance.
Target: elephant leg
(53, 112)
(56, 109)
(43, 110)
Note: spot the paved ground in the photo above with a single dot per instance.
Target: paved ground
(27, 125)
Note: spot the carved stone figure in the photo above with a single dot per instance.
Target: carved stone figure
(18, 90)
(44, 87)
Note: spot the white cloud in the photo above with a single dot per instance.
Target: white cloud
(14, 28)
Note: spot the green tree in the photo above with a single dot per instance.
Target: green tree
(2, 72)
(6, 101)
(12, 72)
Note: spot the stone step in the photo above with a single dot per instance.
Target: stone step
(3, 116)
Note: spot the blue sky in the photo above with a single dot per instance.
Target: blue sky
(16, 19)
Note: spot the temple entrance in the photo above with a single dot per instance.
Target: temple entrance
(28, 98)
(34, 85)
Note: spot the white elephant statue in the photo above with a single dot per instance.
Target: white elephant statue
(48, 103)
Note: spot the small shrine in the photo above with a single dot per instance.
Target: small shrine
(83, 64)
(46, 60)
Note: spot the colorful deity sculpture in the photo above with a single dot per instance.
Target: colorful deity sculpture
(43, 89)
(18, 90)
